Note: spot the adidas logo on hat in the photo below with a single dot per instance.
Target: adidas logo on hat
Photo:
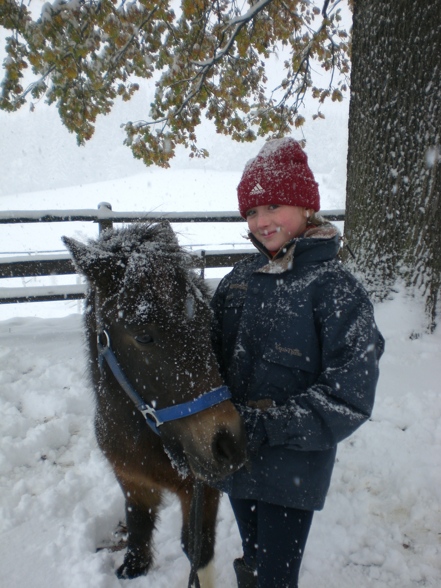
(257, 189)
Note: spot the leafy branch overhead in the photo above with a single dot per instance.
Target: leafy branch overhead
(205, 57)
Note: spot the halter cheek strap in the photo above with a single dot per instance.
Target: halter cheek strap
(156, 418)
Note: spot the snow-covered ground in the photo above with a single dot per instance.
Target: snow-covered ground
(59, 500)
(381, 526)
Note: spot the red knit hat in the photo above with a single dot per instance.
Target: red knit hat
(278, 175)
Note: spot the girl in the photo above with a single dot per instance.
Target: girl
(297, 344)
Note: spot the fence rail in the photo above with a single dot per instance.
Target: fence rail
(60, 264)
(104, 214)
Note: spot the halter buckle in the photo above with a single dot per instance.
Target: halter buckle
(106, 344)
(149, 412)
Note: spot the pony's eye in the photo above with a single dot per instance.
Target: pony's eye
(144, 339)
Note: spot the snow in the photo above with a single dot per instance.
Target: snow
(58, 497)
(59, 500)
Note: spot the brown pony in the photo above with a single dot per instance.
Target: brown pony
(149, 311)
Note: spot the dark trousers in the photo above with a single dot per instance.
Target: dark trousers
(273, 540)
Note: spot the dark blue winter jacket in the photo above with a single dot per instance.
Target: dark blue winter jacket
(295, 337)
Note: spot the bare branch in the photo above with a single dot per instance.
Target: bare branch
(238, 23)
(325, 9)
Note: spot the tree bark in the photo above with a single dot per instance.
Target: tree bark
(393, 211)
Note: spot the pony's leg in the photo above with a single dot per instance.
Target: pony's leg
(211, 504)
(141, 515)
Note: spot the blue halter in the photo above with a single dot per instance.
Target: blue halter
(156, 418)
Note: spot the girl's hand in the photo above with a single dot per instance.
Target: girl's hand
(262, 404)
(253, 420)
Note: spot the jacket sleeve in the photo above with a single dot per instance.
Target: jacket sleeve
(342, 397)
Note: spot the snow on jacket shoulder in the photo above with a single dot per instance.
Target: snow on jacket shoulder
(299, 331)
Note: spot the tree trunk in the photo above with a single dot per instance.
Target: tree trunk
(393, 211)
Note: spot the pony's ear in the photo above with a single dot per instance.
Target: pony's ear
(98, 266)
(167, 232)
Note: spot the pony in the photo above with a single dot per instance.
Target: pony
(147, 322)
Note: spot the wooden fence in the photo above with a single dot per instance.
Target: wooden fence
(58, 264)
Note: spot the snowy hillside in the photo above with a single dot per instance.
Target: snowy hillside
(381, 526)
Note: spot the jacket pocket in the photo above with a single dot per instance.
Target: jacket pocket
(291, 364)
(292, 356)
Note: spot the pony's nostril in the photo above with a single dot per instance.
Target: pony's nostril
(226, 448)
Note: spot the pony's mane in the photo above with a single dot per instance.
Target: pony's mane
(129, 239)
(138, 242)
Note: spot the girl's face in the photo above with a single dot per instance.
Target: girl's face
(276, 224)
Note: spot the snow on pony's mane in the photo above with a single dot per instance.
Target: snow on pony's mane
(154, 267)
(129, 239)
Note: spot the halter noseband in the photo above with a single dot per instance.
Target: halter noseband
(156, 418)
